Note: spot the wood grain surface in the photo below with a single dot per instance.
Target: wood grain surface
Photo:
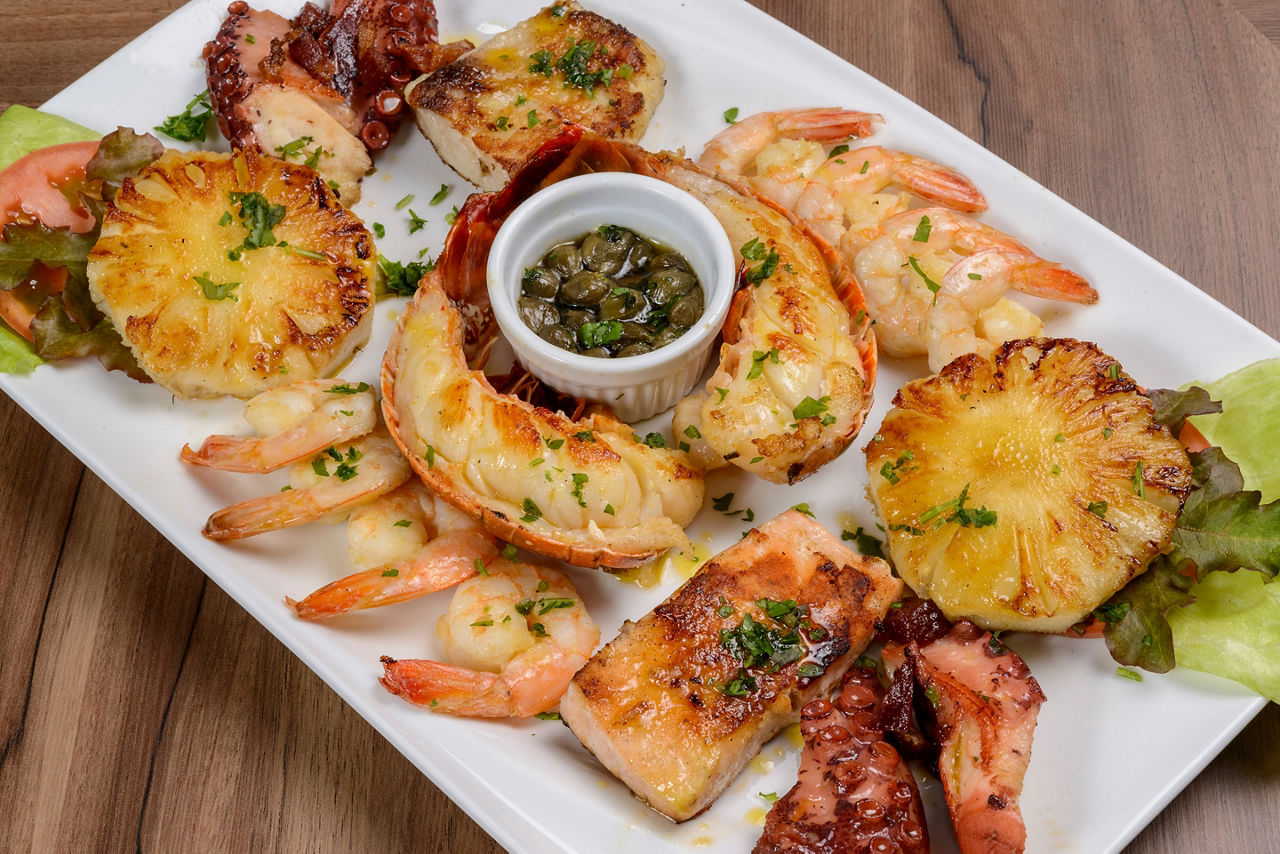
(141, 708)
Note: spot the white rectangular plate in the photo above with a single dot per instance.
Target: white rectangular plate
(530, 784)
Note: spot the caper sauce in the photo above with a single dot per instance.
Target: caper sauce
(610, 293)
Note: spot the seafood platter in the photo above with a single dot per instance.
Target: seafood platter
(579, 400)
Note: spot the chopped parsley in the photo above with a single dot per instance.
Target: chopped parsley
(415, 222)
(532, 118)
(929, 283)
(259, 216)
(890, 471)
(722, 503)
(404, 202)
(692, 432)
(403, 523)
(842, 148)
(346, 388)
(510, 552)
(803, 508)
(865, 543)
(754, 250)
(379, 231)
(758, 358)
(731, 115)
(965, 517)
(723, 392)
(532, 513)
(1129, 674)
(579, 481)
(655, 440)
(216, 290)
(922, 232)
(810, 408)
(1139, 486)
(548, 716)
(599, 334)
(502, 122)
(402, 279)
(189, 126)
(441, 195)
(390, 573)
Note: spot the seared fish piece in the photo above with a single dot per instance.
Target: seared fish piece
(680, 701)
(488, 111)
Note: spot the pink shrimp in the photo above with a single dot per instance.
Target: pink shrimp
(517, 635)
(406, 544)
(293, 421)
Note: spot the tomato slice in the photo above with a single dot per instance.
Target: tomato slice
(36, 188)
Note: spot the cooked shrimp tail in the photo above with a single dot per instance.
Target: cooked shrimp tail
(293, 421)
(471, 694)
(444, 562)
(334, 482)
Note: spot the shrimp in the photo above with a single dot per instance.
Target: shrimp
(732, 150)
(335, 481)
(406, 544)
(901, 271)
(516, 636)
(293, 421)
(837, 192)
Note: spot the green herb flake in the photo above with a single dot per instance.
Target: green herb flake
(803, 508)
(598, 334)
(554, 444)
(1060, 438)
(842, 148)
(810, 408)
(1139, 485)
(625, 71)
(865, 543)
(922, 231)
(770, 797)
(531, 511)
(975, 276)
(608, 509)
(390, 573)
(415, 222)
(431, 456)
(579, 481)
(379, 230)
(731, 115)
(655, 440)
(1107, 432)
(1129, 674)
(865, 165)
(405, 202)
(403, 523)
(502, 123)
(346, 388)
(929, 283)
(452, 215)
(510, 552)
(548, 716)
(723, 392)
(1113, 371)
(692, 432)
(1098, 508)
(216, 290)
(482, 623)
(441, 194)
(480, 568)
(189, 126)
(810, 670)
(532, 118)
(722, 503)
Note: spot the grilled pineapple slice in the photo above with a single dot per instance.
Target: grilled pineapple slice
(232, 273)
(1022, 492)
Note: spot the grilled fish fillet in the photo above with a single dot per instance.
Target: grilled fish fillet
(680, 701)
(488, 111)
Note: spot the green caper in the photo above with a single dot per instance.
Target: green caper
(622, 304)
(572, 318)
(536, 313)
(687, 309)
(633, 332)
(539, 282)
(641, 253)
(666, 285)
(667, 335)
(665, 260)
(597, 352)
(634, 350)
(585, 289)
(559, 336)
(564, 260)
(606, 253)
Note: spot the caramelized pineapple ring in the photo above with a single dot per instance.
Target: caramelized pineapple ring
(229, 274)
(1021, 493)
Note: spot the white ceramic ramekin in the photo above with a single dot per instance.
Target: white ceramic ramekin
(635, 387)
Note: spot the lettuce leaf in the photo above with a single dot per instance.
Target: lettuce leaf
(1248, 424)
(1137, 632)
(1223, 525)
(122, 154)
(23, 130)
(1233, 630)
(16, 355)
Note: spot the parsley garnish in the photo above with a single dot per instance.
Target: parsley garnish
(403, 523)
(510, 552)
(415, 222)
(838, 150)
(929, 283)
(922, 231)
(889, 471)
(379, 231)
(259, 216)
(346, 388)
(731, 115)
(188, 126)
(866, 544)
(216, 290)
(809, 408)
(757, 361)
(404, 202)
(579, 481)
(754, 250)
(655, 440)
(402, 279)
(1139, 486)
(803, 508)
(440, 195)
(531, 511)
(599, 334)
(965, 517)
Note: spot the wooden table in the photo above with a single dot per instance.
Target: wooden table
(132, 690)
